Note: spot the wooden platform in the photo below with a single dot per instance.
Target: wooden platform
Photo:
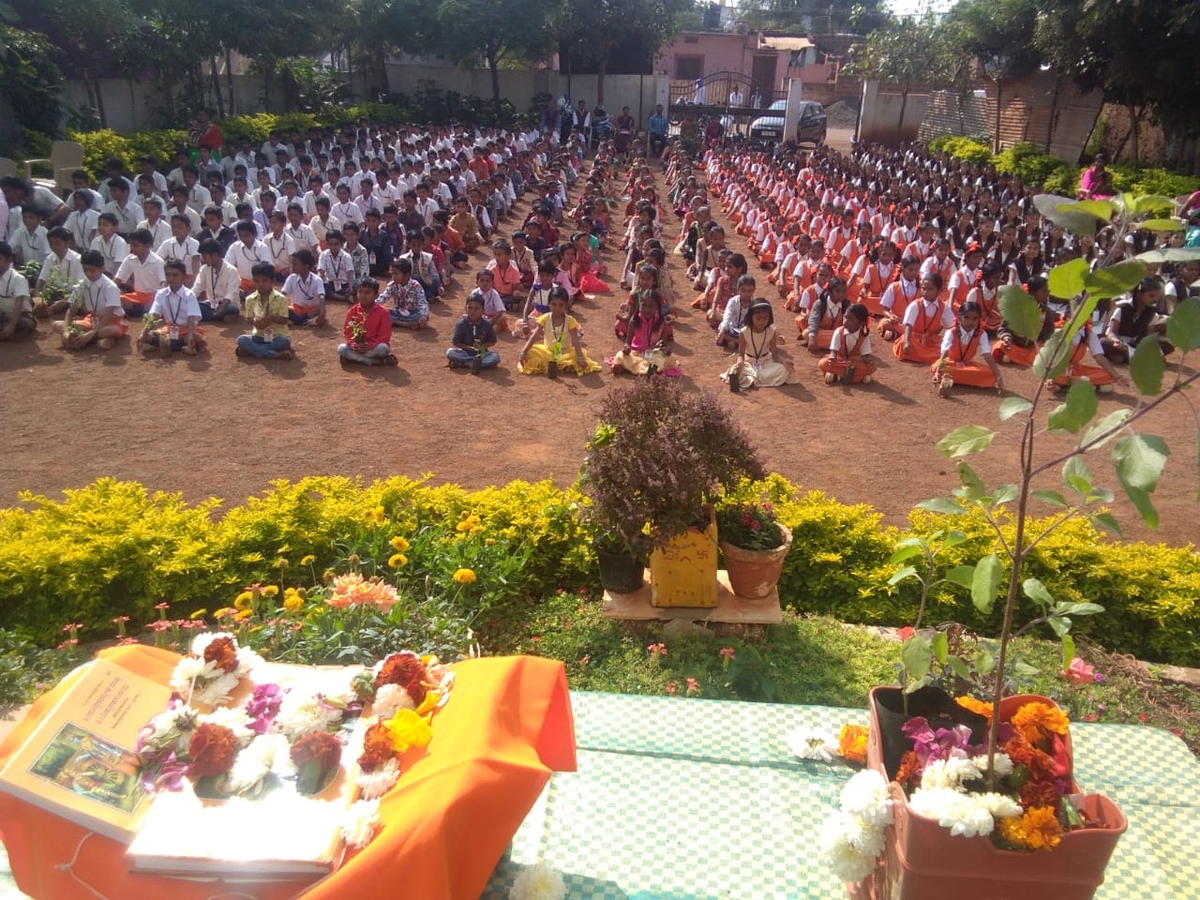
(730, 607)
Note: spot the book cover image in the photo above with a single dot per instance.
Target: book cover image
(87, 766)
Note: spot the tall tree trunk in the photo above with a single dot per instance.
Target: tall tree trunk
(133, 105)
(1135, 130)
(493, 59)
(903, 107)
(169, 89)
(996, 136)
(601, 71)
(229, 80)
(96, 95)
(216, 84)
(1053, 114)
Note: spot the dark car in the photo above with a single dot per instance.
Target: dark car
(811, 129)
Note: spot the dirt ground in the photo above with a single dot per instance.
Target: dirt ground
(219, 426)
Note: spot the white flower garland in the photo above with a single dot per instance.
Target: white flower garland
(538, 882)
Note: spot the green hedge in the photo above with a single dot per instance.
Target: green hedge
(114, 549)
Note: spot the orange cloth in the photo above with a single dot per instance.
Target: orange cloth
(926, 348)
(446, 824)
(970, 374)
(1017, 355)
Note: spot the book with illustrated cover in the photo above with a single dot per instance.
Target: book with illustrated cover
(79, 763)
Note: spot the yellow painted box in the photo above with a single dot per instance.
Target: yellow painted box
(684, 572)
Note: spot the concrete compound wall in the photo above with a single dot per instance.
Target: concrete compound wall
(950, 112)
(132, 104)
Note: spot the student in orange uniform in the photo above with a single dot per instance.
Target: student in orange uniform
(898, 295)
(879, 271)
(827, 315)
(962, 348)
(1016, 350)
(924, 321)
(986, 295)
(850, 359)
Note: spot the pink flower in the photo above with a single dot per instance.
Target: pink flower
(1079, 672)
(672, 688)
(162, 606)
(657, 650)
(745, 518)
(754, 526)
(726, 652)
(905, 633)
(767, 507)
(693, 686)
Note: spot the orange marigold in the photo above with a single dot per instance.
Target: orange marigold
(211, 751)
(1040, 828)
(222, 652)
(908, 768)
(852, 744)
(318, 747)
(377, 747)
(1037, 721)
(976, 706)
(405, 669)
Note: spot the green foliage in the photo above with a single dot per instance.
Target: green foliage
(751, 526)
(99, 146)
(1135, 179)
(26, 670)
(963, 148)
(30, 80)
(1035, 167)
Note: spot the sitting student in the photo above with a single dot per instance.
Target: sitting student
(128, 213)
(466, 225)
(367, 329)
(758, 362)
(179, 206)
(924, 321)
(404, 298)
(828, 314)
(305, 291)
(323, 223)
(554, 328)
(1010, 347)
(358, 254)
(29, 243)
(215, 229)
(423, 268)
(961, 346)
(267, 310)
(986, 294)
(181, 247)
(81, 223)
(538, 300)
(506, 277)
(730, 331)
(140, 276)
(522, 256)
(377, 244)
(98, 299)
(16, 314)
(159, 228)
(898, 296)
(1102, 376)
(279, 246)
(110, 245)
(647, 338)
(1133, 320)
(217, 285)
(493, 306)
(246, 253)
(303, 237)
(336, 269)
(174, 319)
(850, 359)
(64, 265)
(473, 336)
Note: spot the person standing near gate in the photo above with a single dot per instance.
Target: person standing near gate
(657, 129)
(735, 97)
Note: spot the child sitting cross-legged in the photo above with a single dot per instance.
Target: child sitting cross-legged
(16, 316)
(305, 291)
(647, 338)
(556, 328)
(473, 336)
(217, 285)
(961, 346)
(404, 298)
(267, 310)
(850, 359)
(758, 362)
(368, 329)
(97, 300)
(173, 321)
(493, 303)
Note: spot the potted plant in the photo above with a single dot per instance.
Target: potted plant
(658, 460)
(754, 545)
(987, 797)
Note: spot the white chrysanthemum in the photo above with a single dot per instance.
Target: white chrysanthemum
(360, 823)
(813, 743)
(949, 773)
(187, 671)
(1003, 765)
(538, 882)
(201, 641)
(850, 846)
(234, 718)
(247, 661)
(865, 796)
(390, 699)
(215, 691)
(376, 784)
(172, 728)
(961, 813)
(301, 714)
(999, 806)
(252, 765)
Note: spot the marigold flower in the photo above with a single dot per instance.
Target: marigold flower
(1036, 829)
(409, 730)
(211, 751)
(244, 600)
(222, 652)
(399, 544)
(293, 603)
(1037, 721)
(377, 747)
(406, 670)
(271, 590)
(464, 576)
(315, 756)
(976, 706)
(307, 560)
(199, 614)
(852, 744)
(397, 561)
(908, 768)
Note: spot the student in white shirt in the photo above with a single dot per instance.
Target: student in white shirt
(198, 197)
(245, 252)
(346, 210)
(64, 266)
(181, 247)
(177, 315)
(305, 291)
(336, 269)
(140, 275)
(110, 245)
(303, 237)
(181, 206)
(159, 228)
(322, 223)
(127, 212)
(279, 246)
(16, 315)
(367, 199)
(227, 210)
(29, 242)
(217, 285)
(149, 171)
(97, 303)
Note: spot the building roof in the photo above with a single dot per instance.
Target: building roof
(786, 43)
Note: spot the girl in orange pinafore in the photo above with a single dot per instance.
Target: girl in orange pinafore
(924, 321)
(1102, 376)
(787, 269)
(962, 348)
(827, 315)
(806, 268)
(807, 297)
(941, 262)
(901, 292)
(1010, 347)
(853, 252)
(878, 273)
(986, 295)
(850, 360)
(724, 287)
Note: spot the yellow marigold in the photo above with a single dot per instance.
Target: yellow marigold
(408, 730)
(293, 603)
(397, 561)
(376, 516)
(462, 527)
(244, 615)
(975, 706)
(1035, 829)
(244, 600)
(271, 590)
(224, 612)
(399, 544)
(199, 614)
(464, 576)
(489, 541)
(307, 560)
(852, 744)
(1037, 721)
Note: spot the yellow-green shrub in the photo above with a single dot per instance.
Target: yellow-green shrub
(964, 148)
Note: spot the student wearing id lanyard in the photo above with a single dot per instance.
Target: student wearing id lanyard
(245, 253)
(217, 285)
(16, 315)
(110, 245)
(267, 310)
(181, 247)
(81, 223)
(336, 269)
(305, 291)
(97, 302)
(140, 275)
(62, 261)
(175, 306)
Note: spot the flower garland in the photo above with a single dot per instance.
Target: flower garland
(209, 674)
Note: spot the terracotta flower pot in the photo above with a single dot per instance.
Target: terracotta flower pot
(754, 573)
(922, 859)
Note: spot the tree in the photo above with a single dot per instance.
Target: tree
(831, 16)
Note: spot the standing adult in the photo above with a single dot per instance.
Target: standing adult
(657, 128)
(566, 123)
(205, 133)
(735, 97)
(626, 129)
(27, 195)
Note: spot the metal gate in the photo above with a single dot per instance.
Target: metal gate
(730, 95)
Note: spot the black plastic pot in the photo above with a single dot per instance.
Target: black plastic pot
(933, 704)
(476, 365)
(552, 369)
(620, 571)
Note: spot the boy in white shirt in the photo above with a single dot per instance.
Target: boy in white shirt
(316, 190)
(181, 247)
(16, 317)
(97, 303)
(305, 291)
(217, 285)
(127, 212)
(156, 177)
(323, 223)
(64, 266)
(247, 251)
(279, 246)
(81, 223)
(303, 237)
(336, 269)
(346, 210)
(140, 276)
(181, 206)
(110, 245)
(29, 242)
(227, 210)
(159, 228)
(366, 199)
(241, 194)
(198, 197)
(179, 312)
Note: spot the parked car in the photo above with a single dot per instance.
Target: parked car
(811, 129)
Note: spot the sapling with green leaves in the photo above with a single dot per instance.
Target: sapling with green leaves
(1138, 459)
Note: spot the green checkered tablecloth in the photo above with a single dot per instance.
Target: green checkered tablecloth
(701, 800)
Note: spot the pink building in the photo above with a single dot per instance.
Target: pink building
(765, 60)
